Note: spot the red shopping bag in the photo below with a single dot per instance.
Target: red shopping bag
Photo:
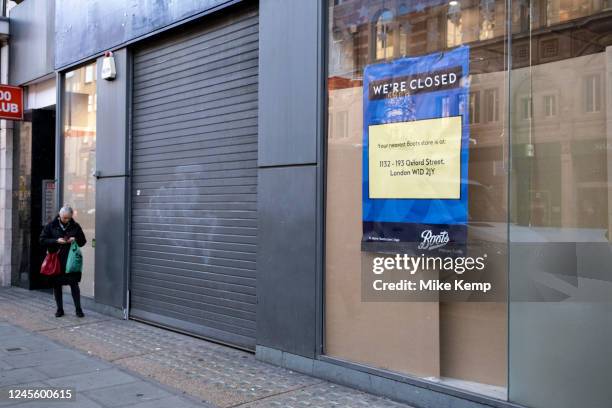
(51, 265)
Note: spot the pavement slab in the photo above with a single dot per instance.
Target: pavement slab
(92, 380)
(223, 386)
(43, 363)
(70, 368)
(36, 312)
(20, 376)
(81, 402)
(324, 395)
(37, 358)
(119, 363)
(127, 394)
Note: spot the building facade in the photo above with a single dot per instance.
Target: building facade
(217, 171)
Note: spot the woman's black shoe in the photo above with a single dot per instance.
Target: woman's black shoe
(59, 313)
(79, 313)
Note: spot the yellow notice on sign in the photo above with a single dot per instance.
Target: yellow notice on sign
(418, 160)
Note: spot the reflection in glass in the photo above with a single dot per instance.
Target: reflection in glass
(22, 202)
(560, 254)
(454, 24)
(384, 35)
(546, 212)
(79, 187)
(460, 344)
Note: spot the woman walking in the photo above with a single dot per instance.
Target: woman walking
(57, 236)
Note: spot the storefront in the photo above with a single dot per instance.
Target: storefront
(32, 141)
(181, 183)
(194, 179)
(33, 153)
(537, 190)
(158, 159)
(240, 177)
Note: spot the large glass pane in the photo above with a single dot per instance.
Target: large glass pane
(560, 254)
(22, 203)
(458, 342)
(79, 186)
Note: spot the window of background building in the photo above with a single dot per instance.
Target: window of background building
(550, 105)
(592, 93)
(474, 107)
(383, 35)
(79, 159)
(487, 18)
(525, 107)
(491, 97)
(454, 28)
(546, 213)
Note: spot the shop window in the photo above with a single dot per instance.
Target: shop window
(539, 198)
(559, 204)
(79, 159)
(434, 340)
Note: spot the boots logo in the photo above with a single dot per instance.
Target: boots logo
(431, 241)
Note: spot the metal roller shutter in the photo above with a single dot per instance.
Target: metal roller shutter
(194, 181)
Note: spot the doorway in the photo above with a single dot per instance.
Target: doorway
(34, 173)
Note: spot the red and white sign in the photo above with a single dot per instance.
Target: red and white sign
(11, 102)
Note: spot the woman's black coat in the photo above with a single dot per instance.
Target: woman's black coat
(48, 239)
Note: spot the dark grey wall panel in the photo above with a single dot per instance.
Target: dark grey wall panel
(286, 262)
(289, 86)
(289, 254)
(32, 41)
(112, 116)
(111, 186)
(87, 28)
(111, 240)
(194, 180)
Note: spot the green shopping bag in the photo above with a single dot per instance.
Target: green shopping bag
(75, 259)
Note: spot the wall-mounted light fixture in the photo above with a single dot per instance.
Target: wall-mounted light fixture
(109, 72)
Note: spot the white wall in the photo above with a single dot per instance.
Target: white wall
(40, 95)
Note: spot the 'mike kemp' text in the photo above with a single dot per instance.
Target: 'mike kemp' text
(396, 87)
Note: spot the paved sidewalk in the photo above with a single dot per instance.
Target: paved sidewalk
(117, 363)
(31, 360)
